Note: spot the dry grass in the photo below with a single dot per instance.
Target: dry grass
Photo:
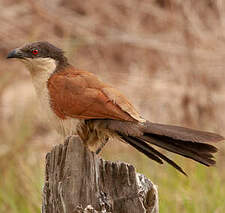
(166, 56)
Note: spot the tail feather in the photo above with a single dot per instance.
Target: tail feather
(159, 154)
(181, 133)
(193, 144)
(142, 148)
(205, 158)
(141, 145)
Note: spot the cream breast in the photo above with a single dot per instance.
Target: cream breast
(41, 69)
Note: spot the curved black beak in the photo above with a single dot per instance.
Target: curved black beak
(16, 53)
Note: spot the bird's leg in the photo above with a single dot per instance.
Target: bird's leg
(104, 142)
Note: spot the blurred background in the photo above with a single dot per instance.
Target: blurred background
(167, 56)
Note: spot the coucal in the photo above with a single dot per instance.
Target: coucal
(77, 102)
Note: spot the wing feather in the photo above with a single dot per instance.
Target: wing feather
(81, 95)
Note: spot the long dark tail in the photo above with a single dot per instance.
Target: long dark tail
(189, 143)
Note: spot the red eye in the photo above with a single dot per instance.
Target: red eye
(35, 51)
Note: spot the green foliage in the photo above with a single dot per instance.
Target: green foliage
(21, 177)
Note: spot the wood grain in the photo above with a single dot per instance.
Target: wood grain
(78, 181)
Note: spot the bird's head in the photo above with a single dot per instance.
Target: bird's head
(38, 55)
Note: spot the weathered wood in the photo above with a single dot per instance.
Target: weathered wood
(78, 181)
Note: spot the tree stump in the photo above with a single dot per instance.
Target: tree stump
(78, 181)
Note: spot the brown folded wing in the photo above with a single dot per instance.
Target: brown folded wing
(80, 94)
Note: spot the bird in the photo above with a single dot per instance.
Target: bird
(77, 102)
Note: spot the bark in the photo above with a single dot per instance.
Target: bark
(78, 181)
